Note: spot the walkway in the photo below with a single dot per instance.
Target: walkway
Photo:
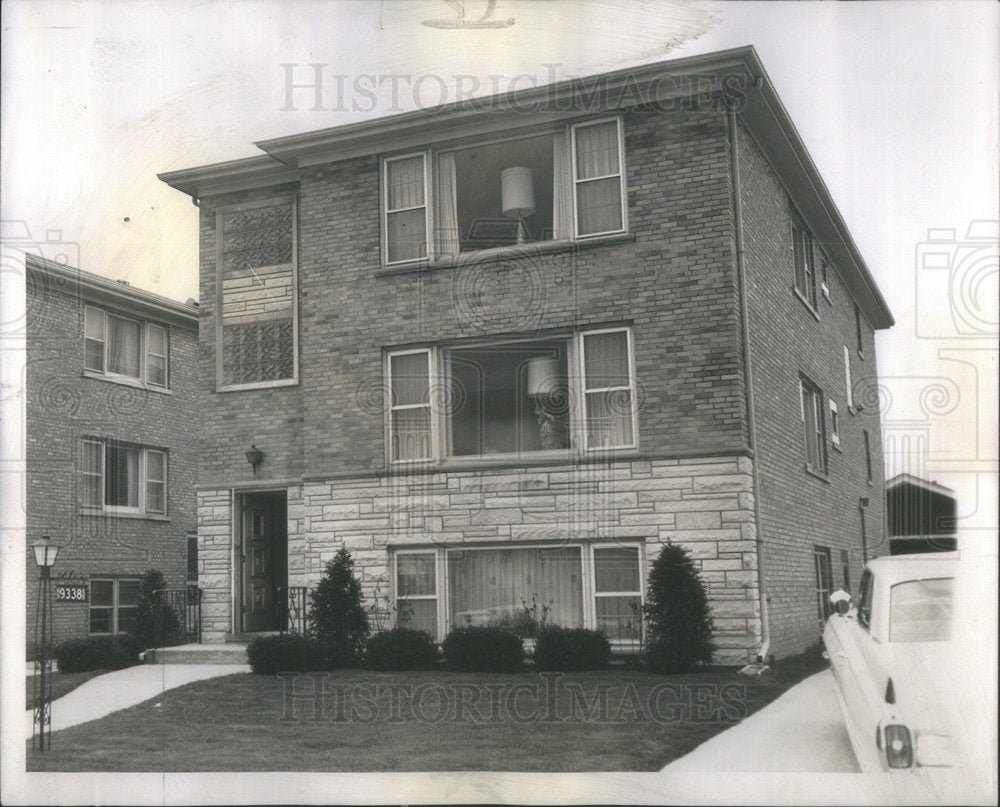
(121, 689)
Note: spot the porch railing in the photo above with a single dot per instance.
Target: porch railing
(293, 618)
(179, 620)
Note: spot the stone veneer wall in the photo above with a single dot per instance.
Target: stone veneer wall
(705, 504)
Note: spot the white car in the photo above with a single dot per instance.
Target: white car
(893, 661)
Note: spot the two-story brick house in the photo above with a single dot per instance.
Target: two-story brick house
(504, 350)
(111, 424)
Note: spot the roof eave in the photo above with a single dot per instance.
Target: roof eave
(101, 289)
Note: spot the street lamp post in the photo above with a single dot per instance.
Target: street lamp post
(45, 558)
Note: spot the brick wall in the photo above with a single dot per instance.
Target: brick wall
(62, 407)
(797, 509)
(673, 282)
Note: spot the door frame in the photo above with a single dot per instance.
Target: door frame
(237, 577)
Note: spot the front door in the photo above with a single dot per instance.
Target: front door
(263, 560)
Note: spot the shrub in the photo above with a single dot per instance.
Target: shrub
(677, 613)
(97, 653)
(401, 649)
(483, 649)
(571, 649)
(337, 617)
(269, 655)
(156, 623)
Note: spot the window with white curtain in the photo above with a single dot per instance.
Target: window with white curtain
(549, 186)
(574, 586)
(123, 347)
(504, 398)
(119, 478)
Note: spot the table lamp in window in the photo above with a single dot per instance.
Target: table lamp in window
(543, 383)
(517, 194)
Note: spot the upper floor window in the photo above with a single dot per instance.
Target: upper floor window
(512, 397)
(814, 427)
(805, 272)
(122, 478)
(125, 347)
(868, 456)
(548, 186)
(824, 275)
(256, 294)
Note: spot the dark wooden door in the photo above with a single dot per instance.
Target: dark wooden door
(263, 563)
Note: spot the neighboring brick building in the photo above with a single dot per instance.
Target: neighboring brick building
(921, 515)
(493, 392)
(111, 425)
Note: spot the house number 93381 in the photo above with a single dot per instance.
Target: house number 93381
(71, 593)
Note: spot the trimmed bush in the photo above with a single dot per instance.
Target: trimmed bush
(337, 617)
(269, 655)
(97, 653)
(571, 649)
(679, 620)
(156, 624)
(401, 649)
(483, 649)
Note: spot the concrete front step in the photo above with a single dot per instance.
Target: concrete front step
(230, 653)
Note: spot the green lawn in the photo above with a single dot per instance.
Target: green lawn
(620, 719)
(61, 684)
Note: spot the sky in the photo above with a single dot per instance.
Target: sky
(895, 101)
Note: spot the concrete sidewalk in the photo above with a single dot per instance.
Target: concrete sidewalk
(802, 731)
(121, 689)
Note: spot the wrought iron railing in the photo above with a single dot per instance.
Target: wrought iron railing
(293, 619)
(179, 620)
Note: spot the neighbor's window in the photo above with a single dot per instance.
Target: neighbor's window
(813, 426)
(868, 456)
(834, 424)
(124, 478)
(847, 378)
(858, 331)
(120, 346)
(920, 610)
(802, 250)
(416, 591)
(113, 605)
(512, 397)
(256, 292)
(824, 275)
(547, 186)
(821, 561)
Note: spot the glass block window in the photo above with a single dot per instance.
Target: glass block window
(257, 288)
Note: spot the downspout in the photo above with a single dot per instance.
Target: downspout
(765, 631)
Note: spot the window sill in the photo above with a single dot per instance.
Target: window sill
(125, 381)
(87, 511)
(818, 474)
(283, 382)
(805, 301)
(838, 447)
(505, 253)
(540, 458)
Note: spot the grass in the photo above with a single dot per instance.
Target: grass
(62, 683)
(620, 719)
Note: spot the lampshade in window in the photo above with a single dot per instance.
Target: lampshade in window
(543, 376)
(517, 192)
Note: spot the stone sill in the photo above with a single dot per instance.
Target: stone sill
(506, 253)
(125, 381)
(84, 511)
